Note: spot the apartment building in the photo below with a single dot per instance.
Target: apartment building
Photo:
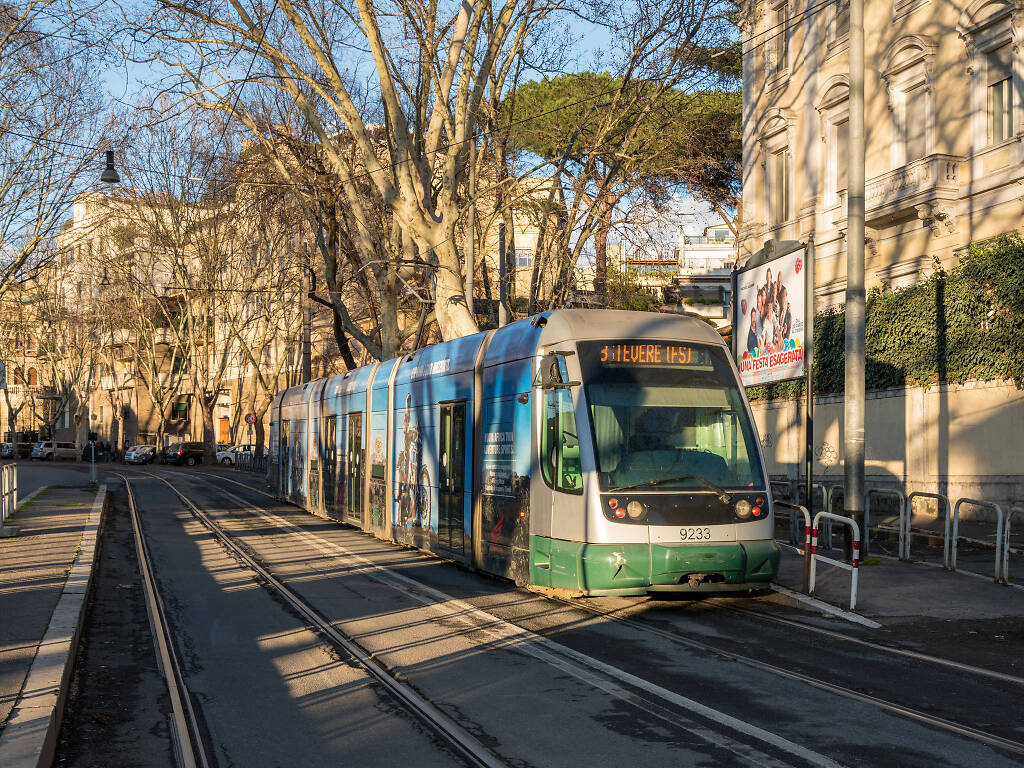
(944, 116)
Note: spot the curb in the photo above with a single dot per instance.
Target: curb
(29, 740)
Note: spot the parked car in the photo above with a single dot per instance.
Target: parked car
(48, 450)
(140, 454)
(229, 456)
(188, 454)
(6, 450)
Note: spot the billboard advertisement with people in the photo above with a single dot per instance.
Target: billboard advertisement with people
(770, 320)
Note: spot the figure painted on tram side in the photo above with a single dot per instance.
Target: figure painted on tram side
(413, 478)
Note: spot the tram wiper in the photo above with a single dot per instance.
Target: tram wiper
(722, 495)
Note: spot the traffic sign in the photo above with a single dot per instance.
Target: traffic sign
(250, 418)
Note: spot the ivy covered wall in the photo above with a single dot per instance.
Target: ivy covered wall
(965, 324)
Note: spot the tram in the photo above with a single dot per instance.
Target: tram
(596, 451)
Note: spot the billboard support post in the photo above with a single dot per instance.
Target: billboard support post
(809, 407)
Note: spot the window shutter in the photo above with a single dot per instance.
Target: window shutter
(1000, 64)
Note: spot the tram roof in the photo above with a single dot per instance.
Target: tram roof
(597, 324)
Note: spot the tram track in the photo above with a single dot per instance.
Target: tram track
(894, 707)
(186, 735)
(450, 732)
(681, 712)
(779, 620)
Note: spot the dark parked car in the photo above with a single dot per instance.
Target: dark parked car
(188, 454)
(7, 451)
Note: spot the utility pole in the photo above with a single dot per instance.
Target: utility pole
(502, 279)
(853, 443)
(471, 227)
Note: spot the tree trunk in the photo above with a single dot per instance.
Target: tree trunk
(601, 258)
(207, 404)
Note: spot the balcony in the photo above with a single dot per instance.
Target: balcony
(921, 189)
(118, 381)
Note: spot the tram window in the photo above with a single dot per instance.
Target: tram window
(561, 444)
(668, 424)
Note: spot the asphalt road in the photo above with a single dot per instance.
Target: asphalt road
(540, 682)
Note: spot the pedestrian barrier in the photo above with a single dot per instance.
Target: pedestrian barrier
(1002, 567)
(945, 524)
(826, 506)
(903, 547)
(794, 523)
(247, 462)
(806, 551)
(852, 566)
(8, 496)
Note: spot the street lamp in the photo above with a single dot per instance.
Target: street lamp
(109, 175)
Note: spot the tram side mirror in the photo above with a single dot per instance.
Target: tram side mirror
(550, 374)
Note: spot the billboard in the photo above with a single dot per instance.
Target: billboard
(770, 313)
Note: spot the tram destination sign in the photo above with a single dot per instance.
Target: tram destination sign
(657, 354)
(769, 317)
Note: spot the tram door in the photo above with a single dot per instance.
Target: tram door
(353, 478)
(330, 467)
(452, 480)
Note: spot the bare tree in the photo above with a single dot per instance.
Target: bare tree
(51, 113)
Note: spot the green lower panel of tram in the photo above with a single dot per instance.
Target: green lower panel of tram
(635, 569)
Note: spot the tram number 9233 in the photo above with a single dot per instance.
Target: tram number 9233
(695, 534)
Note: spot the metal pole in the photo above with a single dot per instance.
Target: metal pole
(502, 278)
(853, 447)
(471, 228)
(307, 363)
(809, 405)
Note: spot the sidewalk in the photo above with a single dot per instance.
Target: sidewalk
(44, 579)
(892, 592)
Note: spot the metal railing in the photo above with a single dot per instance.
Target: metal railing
(8, 492)
(1001, 573)
(790, 504)
(826, 506)
(903, 547)
(806, 551)
(852, 566)
(944, 510)
(248, 462)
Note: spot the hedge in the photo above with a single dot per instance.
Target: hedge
(956, 326)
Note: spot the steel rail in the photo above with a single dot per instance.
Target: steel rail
(957, 665)
(825, 685)
(586, 668)
(464, 743)
(906, 711)
(185, 732)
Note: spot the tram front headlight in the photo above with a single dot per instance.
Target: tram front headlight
(636, 510)
(742, 509)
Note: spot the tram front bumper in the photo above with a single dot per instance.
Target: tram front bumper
(635, 569)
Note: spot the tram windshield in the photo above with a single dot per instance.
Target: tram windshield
(667, 416)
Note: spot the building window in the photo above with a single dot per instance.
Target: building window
(33, 377)
(778, 187)
(990, 30)
(915, 118)
(524, 257)
(778, 47)
(179, 411)
(842, 19)
(999, 73)
(908, 72)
